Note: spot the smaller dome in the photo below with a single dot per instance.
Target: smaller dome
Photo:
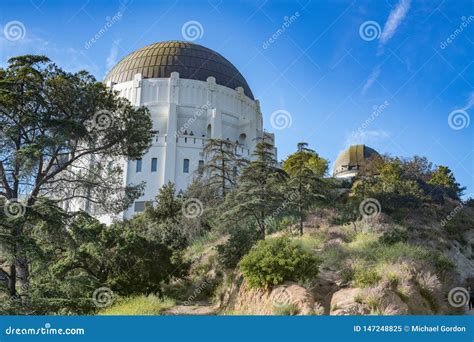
(349, 162)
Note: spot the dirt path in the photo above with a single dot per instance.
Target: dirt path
(197, 308)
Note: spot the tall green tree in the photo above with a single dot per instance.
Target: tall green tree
(305, 184)
(443, 178)
(260, 191)
(221, 165)
(391, 186)
(306, 157)
(60, 134)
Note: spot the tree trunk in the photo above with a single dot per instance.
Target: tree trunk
(12, 281)
(301, 222)
(22, 272)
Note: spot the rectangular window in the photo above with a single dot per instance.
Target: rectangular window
(138, 166)
(139, 206)
(186, 166)
(200, 166)
(154, 164)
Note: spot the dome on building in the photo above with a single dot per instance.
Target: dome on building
(191, 61)
(351, 160)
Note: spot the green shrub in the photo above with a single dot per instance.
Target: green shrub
(394, 236)
(239, 243)
(276, 260)
(286, 310)
(139, 305)
(366, 277)
(282, 224)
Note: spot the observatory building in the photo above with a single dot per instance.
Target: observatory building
(193, 94)
(350, 161)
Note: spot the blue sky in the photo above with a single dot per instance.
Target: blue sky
(396, 75)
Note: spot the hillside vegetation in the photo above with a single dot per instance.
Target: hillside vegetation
(268, 240)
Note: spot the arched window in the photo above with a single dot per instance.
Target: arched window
(186, 166)
(242, 139)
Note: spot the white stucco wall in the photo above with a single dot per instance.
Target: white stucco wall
(178, 106)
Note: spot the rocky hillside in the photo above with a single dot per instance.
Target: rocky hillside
(392, 265)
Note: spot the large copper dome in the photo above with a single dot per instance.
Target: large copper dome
(192, 61)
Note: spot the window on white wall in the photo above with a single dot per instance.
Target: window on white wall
(138, 165)
(139, 206)
(201, 166)
(154, 164)
(186, 166)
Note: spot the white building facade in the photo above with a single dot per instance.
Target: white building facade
(186, 111)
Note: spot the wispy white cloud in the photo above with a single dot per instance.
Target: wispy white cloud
(366, 137)
(371, 79)
(113, 53)
(394, 20)
(470, 101)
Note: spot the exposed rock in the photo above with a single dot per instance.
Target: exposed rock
(357, 301)
(248, 301)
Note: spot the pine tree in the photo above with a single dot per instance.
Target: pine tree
(259, 193)
(221, 165)
(55, 130)
(305, 169)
